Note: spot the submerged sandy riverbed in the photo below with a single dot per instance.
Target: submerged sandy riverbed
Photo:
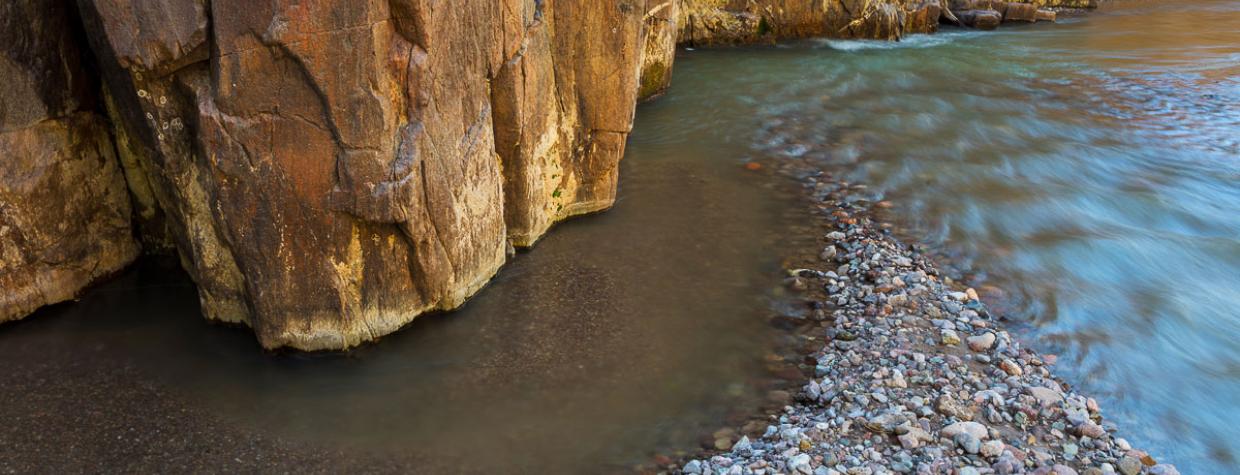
(635, 337)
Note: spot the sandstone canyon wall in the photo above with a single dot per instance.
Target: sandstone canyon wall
(64, 212)
(712, 22)
(707, 22)
(329, 170)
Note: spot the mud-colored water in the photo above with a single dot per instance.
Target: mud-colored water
(620, 335)
(1088, 169)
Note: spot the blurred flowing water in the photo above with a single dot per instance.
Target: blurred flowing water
(1087, 174)
(619, 336)
(1087, 170)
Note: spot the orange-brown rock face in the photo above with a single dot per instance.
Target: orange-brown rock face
(705, 22)
(662, 28)
(564, 100)
(64, 211)
(329, 170)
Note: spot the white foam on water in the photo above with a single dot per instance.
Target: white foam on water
(912, 41)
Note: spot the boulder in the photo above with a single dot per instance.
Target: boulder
(706, 22)
(924, 19)
(1064, 3)
(330, 170)
(327, 171)
(64, 211)
(1046, 15)
(980, 19)
(1020, 12)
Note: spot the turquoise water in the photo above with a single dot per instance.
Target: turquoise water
(620, 336)
(1086, 175)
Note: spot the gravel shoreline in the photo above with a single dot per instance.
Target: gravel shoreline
(913, 374)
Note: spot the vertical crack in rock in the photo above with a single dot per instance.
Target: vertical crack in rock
(327, 171)
(64, 211)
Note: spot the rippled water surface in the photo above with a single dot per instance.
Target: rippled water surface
(1087, 174)
(620, 335)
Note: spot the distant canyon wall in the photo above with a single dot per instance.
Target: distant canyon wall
(327, 171)
(712, 22)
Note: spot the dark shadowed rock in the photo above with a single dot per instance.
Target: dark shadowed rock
(980, 19)
(64, 212)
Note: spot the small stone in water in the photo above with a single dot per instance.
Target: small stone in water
(693, 466)
(949, 337)
(970, 443)
(1070, 450)
(1046, 397)
(1123, 444)
(800, 464)
(897, 380)
(828, 253)
(976, 429)
(743, 444)
(1091, 430)
(1011, 368)
(1129, 466)
(981, 342)
(1164, 469)
(992, 449)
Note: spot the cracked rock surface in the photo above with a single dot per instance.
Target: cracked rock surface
(64, 211)
(327, 171)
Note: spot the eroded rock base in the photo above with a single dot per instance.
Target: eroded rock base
(327, 171)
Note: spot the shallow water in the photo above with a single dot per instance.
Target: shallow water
(620, 335)
(1089, 171)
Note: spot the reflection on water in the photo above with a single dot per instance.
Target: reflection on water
(620, 334)
(1088, 170)
(1088, 174)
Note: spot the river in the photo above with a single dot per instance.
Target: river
(1084, 175)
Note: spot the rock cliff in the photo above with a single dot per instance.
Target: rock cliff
(328, 170)
(706, 22)
(709, 22)
(64, 212)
